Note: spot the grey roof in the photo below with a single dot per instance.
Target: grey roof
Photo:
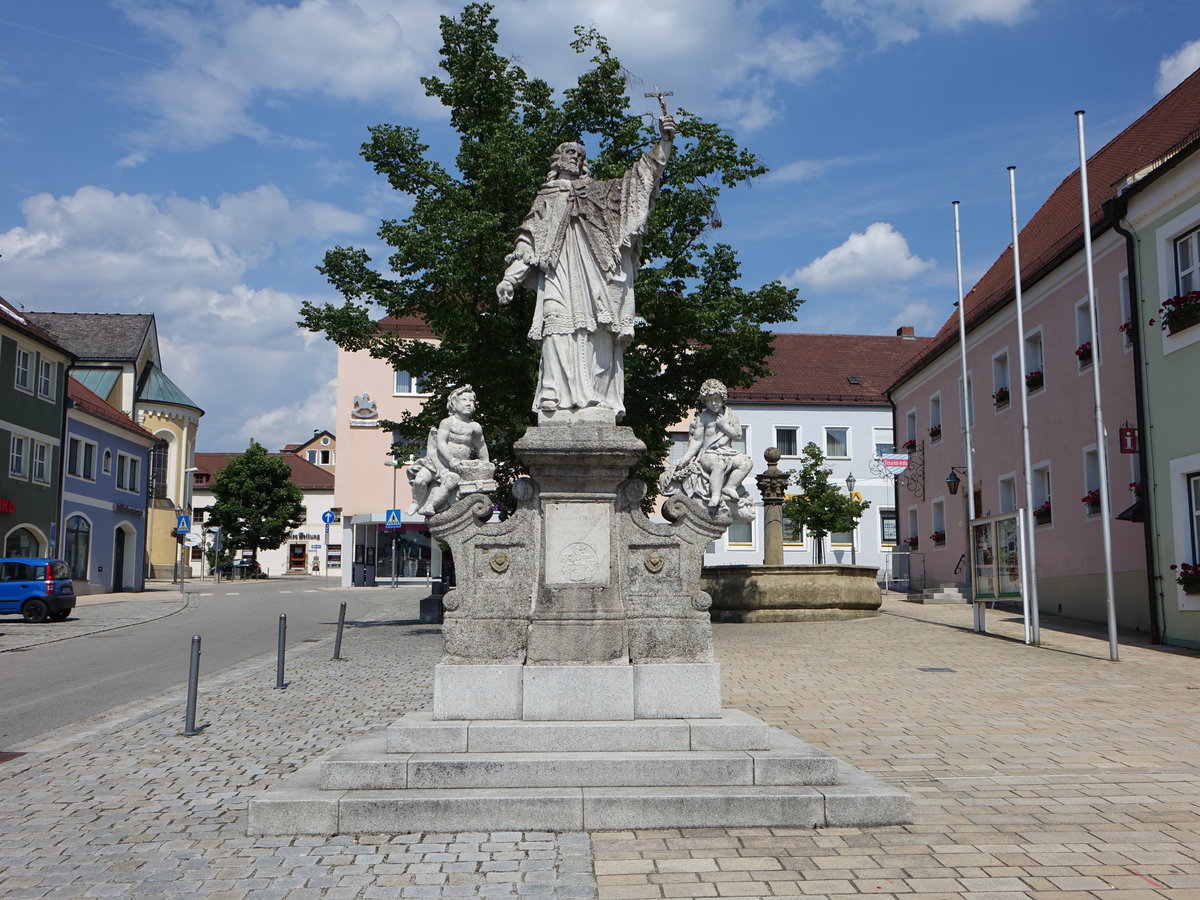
(99, 380)
(108, 336)
(156, 387)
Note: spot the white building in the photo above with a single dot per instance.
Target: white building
(304, 550)
(828, 389)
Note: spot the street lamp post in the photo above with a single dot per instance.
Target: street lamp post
(850, 482)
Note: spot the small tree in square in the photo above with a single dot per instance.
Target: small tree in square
(257, 505)
(818, 506)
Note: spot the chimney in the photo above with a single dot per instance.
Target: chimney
(906, 332)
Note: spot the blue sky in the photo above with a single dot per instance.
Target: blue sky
(195, 158)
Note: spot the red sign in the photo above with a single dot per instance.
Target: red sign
(1129, 440)
(7, 506)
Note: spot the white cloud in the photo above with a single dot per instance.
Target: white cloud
(1175, 68)
(233, 347)
(901, 21)
(804, 169)
(879, 256)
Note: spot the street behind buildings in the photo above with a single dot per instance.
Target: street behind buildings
(1044, 772)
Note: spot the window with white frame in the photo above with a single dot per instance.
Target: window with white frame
(407, 384)
(837, 442)
(18, 456)
(787, 440)
(127, 472)
(935, 417)
(937, 511)
(1001, 395)
(77, 545)
(1194, 514)
(884, 442)
(1187, 262)
(1035, 361)
(46, 379)
(888, 525)
(23, 376)
(41, 462)
(910, 428)
(1083, 335)
(1091, 474)
(1127, 325)
(1007, 485)
(841, 539)
(740, 534)
(1040, 481)
(81, 459)
(913, 523)
(742, 444)
(793, 531)
(312, 456)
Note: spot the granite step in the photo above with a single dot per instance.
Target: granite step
(419, 732)
(298, 806)
(367, 765)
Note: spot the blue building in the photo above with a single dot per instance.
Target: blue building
(106, 471)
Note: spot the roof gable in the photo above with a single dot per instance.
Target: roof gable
(113, 337)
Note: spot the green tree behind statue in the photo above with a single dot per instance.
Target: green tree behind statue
(818, 506)
(257, 505)
(450, 250)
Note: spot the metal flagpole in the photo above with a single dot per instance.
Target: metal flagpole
(1033, 630)
(962, 342)
(1101, 448)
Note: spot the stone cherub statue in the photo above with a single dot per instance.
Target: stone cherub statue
(578, 248)
(456, 458)
(712, 470)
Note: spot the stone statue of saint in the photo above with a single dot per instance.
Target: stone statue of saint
(578, 248)
(456, 458)
(712, 470)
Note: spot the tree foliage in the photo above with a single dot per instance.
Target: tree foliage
(256, 505)
(449, 251)
(818, 506)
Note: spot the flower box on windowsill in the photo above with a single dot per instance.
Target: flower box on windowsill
(1042, 518)
(1091, 509)
(1000, 399)
(935, 433)
(1083, 353)
(1035, 381)
(938, 538)
(909, 446)
(1091, 502)
(1187, 577)
(912, 543)
(1180, 313)
(1191, 590)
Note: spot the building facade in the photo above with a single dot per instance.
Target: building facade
(33, 389)
(105, 494)
(828, 389)
(304, 550)
(1066, 474)
(118, 359)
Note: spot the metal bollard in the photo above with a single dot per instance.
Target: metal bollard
(189, 724)
(279, 685)
(337, 641)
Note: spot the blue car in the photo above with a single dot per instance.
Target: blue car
(39, 589)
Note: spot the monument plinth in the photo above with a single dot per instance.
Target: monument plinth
(578, 687)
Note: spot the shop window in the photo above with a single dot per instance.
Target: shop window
(77, 546)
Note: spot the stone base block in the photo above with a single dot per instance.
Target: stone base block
(572, 693)
(783, 781)
(686, 691)
(476, 692)
(420, 732)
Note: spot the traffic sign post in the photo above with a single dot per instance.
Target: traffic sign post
(392, 520)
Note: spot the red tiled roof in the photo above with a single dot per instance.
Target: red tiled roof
(1163, 135)
(88, 400)
(408, 326)
(817, 368)
(305, 475)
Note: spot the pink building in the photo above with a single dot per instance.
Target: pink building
(1065, 466)
(368, 485)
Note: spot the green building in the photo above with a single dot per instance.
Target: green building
(33, 386)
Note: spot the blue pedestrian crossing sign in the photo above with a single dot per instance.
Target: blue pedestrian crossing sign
(182, 524)
(392, 519)
(327, 517)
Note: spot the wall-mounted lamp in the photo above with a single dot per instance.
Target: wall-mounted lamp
(953, 481)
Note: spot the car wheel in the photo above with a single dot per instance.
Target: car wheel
(60, 615)
(35, 610)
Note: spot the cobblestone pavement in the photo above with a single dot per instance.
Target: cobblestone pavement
(1036, 773)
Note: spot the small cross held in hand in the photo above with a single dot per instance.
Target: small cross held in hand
(658, 93)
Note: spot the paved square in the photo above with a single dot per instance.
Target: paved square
(1035, 772)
